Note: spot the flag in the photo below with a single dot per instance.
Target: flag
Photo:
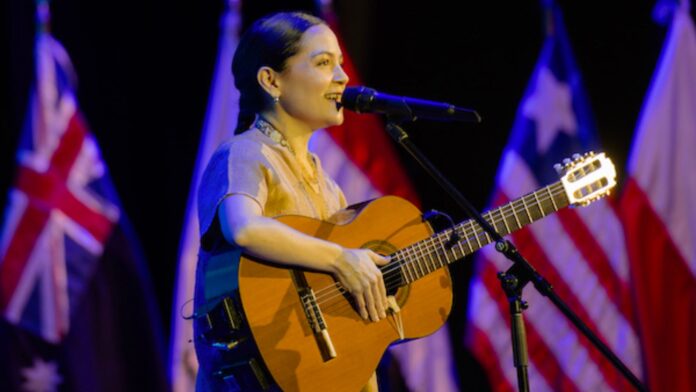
(658, 213)
(77, 308)
(580, 251)
(220, 122)
(361, 158)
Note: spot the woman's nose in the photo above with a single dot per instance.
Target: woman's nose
(340, 75)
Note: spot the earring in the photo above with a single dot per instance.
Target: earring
(276, 100)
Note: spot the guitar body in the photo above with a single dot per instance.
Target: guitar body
(278, 323)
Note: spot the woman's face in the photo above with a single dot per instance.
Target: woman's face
(313, 80)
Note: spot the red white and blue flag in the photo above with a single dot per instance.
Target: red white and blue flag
(580, 251)
(77, 309)
(59, 215)
(659, 216)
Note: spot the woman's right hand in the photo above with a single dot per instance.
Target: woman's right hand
(357, 271)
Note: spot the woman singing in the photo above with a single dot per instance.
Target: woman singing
(287, 68)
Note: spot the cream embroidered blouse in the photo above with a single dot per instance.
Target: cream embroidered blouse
(261, 168)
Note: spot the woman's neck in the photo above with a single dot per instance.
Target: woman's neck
(296, 133)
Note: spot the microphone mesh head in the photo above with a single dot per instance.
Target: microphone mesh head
(358, 98)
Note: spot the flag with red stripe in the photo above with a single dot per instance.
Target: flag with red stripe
(580, 251)
(659, 216)
(72, 283)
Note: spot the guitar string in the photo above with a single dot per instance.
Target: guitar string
(343, 304)
(431, 240)
(326, 306)
(420, 255)
(321, 293)
(494, 216)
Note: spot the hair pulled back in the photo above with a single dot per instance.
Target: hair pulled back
(269, 42)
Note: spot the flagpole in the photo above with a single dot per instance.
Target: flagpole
(43, 16)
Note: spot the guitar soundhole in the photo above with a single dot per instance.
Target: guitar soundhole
(393, 280)
(393, 276)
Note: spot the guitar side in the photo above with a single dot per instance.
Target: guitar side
(280, 328)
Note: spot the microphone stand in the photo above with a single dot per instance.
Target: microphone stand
(515, 278)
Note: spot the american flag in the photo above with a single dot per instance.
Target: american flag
(60, 209)
(580, 251)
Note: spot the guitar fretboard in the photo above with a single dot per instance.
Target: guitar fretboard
(426, 256)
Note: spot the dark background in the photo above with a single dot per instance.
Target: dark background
(145, 68)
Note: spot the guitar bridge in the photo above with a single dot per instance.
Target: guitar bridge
(317, 323)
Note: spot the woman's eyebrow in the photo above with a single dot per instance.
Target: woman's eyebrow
(320, 52)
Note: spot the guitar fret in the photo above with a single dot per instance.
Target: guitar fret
(473, 230)
(492, 222)
(505, 222)
(514, 213)
(466, 238)
(459, 244)
(414, 264)
(441, 250)
(409, 263)
(445, 250)
(425, 263)
(451, 247)
(526, 209)
(404, 270)
(548, 190)
(430, 256)
(420, 265)
(539, 204)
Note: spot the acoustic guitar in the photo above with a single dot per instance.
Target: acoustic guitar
(299, 330)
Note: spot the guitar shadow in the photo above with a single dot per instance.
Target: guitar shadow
(275, 333)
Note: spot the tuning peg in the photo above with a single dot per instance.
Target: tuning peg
(567, 162)
(559, 168)
(577, 157)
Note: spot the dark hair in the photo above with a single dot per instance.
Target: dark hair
(268, 42)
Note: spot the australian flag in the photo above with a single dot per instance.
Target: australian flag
(580, 251)
(77, 309)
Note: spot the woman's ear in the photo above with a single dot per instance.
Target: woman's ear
(268, 80)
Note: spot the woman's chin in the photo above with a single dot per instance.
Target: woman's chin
(328, 121)
(338, 119)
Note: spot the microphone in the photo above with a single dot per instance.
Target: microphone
(366, 100)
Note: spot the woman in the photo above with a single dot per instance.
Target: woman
(287, 68)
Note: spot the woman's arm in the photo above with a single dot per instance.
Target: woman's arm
(242, 223)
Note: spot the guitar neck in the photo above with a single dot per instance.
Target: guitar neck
(423, 257)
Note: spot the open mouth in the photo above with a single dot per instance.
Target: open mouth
(335, 97)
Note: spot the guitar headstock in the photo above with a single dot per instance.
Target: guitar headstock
(586, 177)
